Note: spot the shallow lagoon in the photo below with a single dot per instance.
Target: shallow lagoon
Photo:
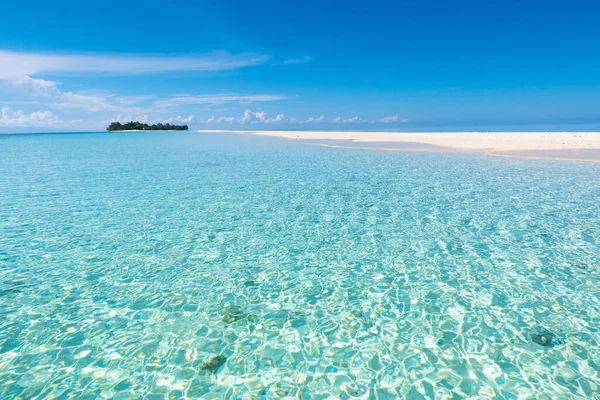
(224, 266)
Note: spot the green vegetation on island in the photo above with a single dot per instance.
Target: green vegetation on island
(138, 126)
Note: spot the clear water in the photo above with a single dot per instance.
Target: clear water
(173, 265)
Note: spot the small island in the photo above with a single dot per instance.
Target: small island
(138, 126)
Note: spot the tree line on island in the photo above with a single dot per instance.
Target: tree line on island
(138, 126)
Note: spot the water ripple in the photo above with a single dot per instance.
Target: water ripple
(216, 266)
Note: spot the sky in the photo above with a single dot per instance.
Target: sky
(379, 65)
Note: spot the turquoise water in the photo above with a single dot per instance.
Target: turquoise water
(173, 265)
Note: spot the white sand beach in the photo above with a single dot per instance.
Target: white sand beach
(582, 146)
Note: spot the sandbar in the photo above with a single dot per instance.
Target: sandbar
(576, 146)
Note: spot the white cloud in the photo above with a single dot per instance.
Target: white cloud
(48, 93)
(179, 119)
(131, 100)
(123, 118)
(299, 60)
(86, 102)
(279, 118)
(216, 99)
(38, 87)
(249, 117)
(220, 120)
(391, 119)
(320, 119)
(37, 118)
(13, 65)
(54, 97)
(261, 115)
(128, 118)
(388, 119)
(353, 120)
(51, 96)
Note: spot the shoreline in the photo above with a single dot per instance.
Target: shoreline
(563, 146)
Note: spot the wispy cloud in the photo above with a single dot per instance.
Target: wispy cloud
(298, 60)
(93, 103)
(392, 119)
(48, 93)
(14, 65)
(131, 100)
(217, 99)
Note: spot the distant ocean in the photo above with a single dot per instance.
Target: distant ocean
(193, 265)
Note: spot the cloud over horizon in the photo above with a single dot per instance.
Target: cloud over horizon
(256, 117)
(16, 71)
(353, 120)
(393, 118)
(18, 118)
(179, 119)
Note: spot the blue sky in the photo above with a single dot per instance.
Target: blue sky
(398, 65)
